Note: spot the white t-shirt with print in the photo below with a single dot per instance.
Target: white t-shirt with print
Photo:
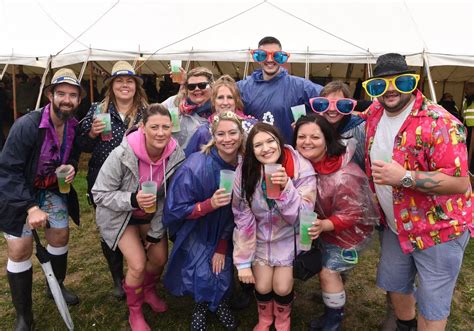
(382, 149)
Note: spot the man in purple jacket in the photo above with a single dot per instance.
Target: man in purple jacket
(270, 92)
(39, 143)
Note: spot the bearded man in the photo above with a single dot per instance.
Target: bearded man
(39, 143)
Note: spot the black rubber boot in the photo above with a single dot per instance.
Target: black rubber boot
(225, 316)
(59, 264)
(241, 300)
(198, 322)
(330, 321)
(403, 327)
(20, 288)
(115, 263)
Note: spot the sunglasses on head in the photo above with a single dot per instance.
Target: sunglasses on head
(260, 55)
(405, 83)
(201, 86)
(344, 106)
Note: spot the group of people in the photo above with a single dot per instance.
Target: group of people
(400, 167)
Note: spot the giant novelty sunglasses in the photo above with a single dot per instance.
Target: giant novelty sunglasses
(201, 86)
(344, 106)
(405, 83)
(260, 55)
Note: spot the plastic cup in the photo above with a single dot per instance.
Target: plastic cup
(150, 187)
(174, 112)
(176, 75)
(61, 174)
(298, 111)
(307, 217)
(273, 190)
(227, 180)
(106, 135)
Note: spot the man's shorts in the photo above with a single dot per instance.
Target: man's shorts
(56, 208)
(437, 268)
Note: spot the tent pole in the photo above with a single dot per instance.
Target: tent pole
(422, 80)
(306, 66)
(3, 71)
(188, 62)
(364, 78)
(428, 74)
(84, 66)
(91, 82)
(43, 80)
(246, 68)
(15, 114)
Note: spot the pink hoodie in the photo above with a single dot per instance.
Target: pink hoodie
(147, 169)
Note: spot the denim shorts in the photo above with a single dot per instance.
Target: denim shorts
(26, 232)
(338, 259)
(56, 208)
(437, 268)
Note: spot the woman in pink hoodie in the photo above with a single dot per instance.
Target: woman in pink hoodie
(128, 216)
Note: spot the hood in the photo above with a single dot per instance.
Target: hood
(136, 140)
(351, 123)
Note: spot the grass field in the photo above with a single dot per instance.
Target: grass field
(89, 277)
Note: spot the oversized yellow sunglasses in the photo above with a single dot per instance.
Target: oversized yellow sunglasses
(405, 83)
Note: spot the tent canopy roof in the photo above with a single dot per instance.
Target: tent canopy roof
(327, 31)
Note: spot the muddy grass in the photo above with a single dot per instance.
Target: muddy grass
(89, 278)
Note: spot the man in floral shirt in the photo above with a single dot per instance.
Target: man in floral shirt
(417, 164)
(39, 143)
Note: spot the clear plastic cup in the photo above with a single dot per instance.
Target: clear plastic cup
(176, 74)
(61, 174)
(273, 190)
(150, 187)
(106, 135)
(298, 111)
(227, 180)
(307, 217)
(174, 112)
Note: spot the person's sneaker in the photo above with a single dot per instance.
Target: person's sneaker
(330, 321)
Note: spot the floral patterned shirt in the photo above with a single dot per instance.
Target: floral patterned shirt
(53, 154)
(430, 139)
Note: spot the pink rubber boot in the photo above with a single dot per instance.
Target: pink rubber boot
(282, 316)
(135, 302)
(151, 297)
(265, 315)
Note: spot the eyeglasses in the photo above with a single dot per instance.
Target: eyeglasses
(405, 83)
(344, 106)
(201, 86)
(260, 55)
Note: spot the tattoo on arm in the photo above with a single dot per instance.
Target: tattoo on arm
(426, 181)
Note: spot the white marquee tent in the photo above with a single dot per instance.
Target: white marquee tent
(325, 37)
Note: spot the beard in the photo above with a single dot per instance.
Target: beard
(400, 105)
(63, 115)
